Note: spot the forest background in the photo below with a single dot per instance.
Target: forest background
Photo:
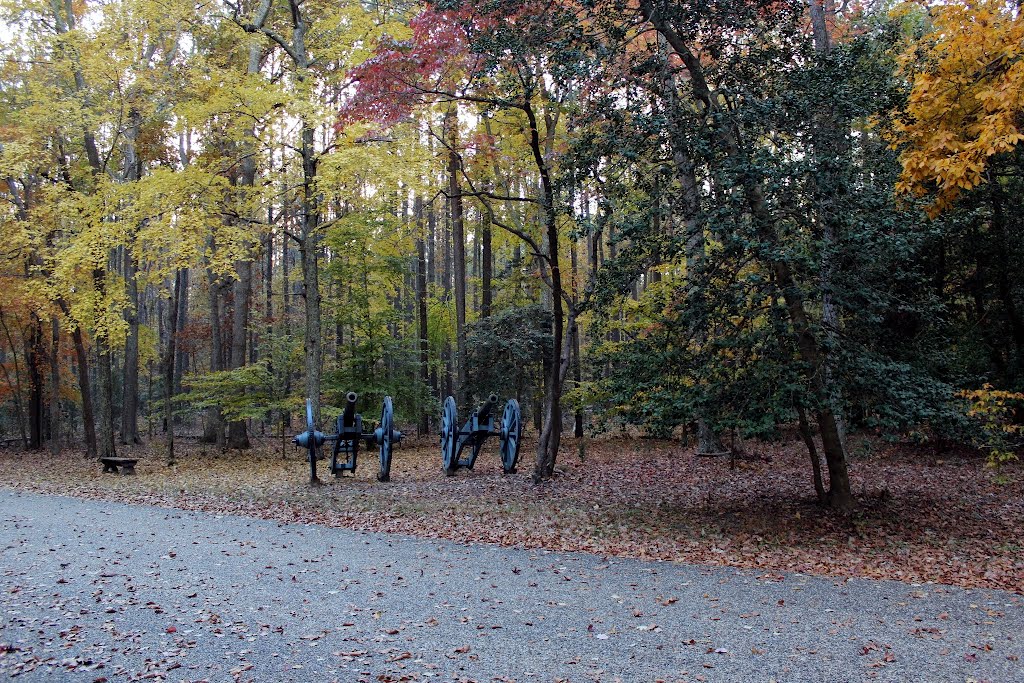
(721, 218)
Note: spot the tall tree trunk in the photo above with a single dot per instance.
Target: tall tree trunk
(238, 436)
(830, 148)
(432, 273)
(286, 312)
(551, 433)
(446, 285)
(728, 139)
(421, 305)
(577, 371)
(180, 352)
(431, 246)
(130, 385)
(214, 426)
(55, 440)
(812, 453)
(458, 254)
(15, 385)
(268, 309)
(34, 357)
(130, 394)
(168, 366)
(84, 386)
(310, 271)
(486, 267)
(105, 398)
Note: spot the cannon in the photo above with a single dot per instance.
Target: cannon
(349, 434)
(478, 427)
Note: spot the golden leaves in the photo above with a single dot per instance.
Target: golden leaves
(966, 99)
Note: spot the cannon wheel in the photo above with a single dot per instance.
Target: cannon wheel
(386, 440)
(511, 435)
(449, 435)
(311, 441)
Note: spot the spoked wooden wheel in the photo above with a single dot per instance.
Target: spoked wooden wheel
(449, 435)
(511, 435)
(386, 439)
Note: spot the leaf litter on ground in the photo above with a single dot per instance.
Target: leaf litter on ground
(920, 518)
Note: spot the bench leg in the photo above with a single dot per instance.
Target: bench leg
(110, 468)
(127, 469)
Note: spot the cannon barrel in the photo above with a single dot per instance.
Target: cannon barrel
(349, 418)
(484, 411)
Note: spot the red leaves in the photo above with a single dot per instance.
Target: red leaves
(404, 74)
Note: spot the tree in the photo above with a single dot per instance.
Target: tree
(765, 132)
(962, 117)
(461, 55)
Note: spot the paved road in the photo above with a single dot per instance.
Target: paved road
(95, 591)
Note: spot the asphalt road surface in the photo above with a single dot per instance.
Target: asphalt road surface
(97, 591)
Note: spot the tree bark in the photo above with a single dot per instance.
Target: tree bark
(55, 422)
(15, 385)
(214, 426)
(105, 399)
(551, 433)
(421, 306)
(458, 254)
(84, 386)
(486, 267)
(34, 356)
(168, 366)
(828, 141)
(181, 353)
(132, 172)
(310, 271)
(130, 394)
(238, 436)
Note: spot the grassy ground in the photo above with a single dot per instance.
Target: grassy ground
(920, 517)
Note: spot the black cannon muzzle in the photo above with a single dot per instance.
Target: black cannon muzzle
(484, 411)
(349, 418)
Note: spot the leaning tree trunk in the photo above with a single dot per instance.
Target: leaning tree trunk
(728, 138)
(830, 147)
(551, 433)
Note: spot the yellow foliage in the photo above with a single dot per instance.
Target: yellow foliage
(966, 100)
(993, 409)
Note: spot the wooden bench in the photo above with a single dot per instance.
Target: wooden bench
(127, 465)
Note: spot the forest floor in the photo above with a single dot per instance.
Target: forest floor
(921, 517)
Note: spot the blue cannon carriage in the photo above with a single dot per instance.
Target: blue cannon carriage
(475, 431)
(345, 453)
